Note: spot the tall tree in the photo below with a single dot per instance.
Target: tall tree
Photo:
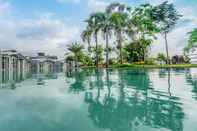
(118, 17)
(141, 23)
(166, 17)
(192, 42)
(99, 51)
(118, 21)
(118, 7)
(192, 39)
(86, 37)
(141, 28)
(106, 28)
(94, 23)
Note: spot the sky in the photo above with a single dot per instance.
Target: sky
(32, 26)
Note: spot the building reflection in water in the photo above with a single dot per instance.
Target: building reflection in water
(191, 77)
(40, 80)
(15, 67)
(128, 102)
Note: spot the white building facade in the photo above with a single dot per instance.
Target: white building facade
(193, 55)
(13, 66)
(46, 64)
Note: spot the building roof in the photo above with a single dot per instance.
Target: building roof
(41, 57)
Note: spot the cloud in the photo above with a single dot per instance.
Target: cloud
(68, 1)
(156, 2)
(4, 8)
(42, 32)
(189, 13)
(33, 35)
(97, 5)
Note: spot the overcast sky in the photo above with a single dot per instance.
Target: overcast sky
(49, 25)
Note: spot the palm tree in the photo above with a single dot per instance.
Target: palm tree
(161, 57)
(106, 27)
(118, 7)
(118, 21)
(118, 18)
(192, 39)
(94, 23)
(141, 28)
(76, 49)
(86, 37)
(166, 16)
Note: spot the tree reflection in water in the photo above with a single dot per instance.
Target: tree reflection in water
(128, 102)
(163, 73)
(78, 84)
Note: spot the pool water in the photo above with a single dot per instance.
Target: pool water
(102, 100)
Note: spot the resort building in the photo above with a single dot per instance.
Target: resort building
(178, 59)
(13, 66)
(46, 64)
(193, 55)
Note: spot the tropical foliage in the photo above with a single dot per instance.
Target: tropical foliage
(161, 57)
(192, 40)
(76, 50)
(127, 32)
(166, 17)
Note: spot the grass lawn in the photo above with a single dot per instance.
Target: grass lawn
(154, 66)
(146, 66)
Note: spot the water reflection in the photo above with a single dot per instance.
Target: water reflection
(9, 81)
(103, 100)
(14, 82)
(167, 73)
(128, 102)
(191, 77)
(78, 84)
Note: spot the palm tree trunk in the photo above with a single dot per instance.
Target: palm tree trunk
(120, 46)
(169, 83)
(107, 50)
(121, 61)
(96, 41)
(108, 85)
(166, 43)
(88, 45)
(98, 85)
(76, 63)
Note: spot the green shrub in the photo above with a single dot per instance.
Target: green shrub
(150, 61)
(112, 61)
